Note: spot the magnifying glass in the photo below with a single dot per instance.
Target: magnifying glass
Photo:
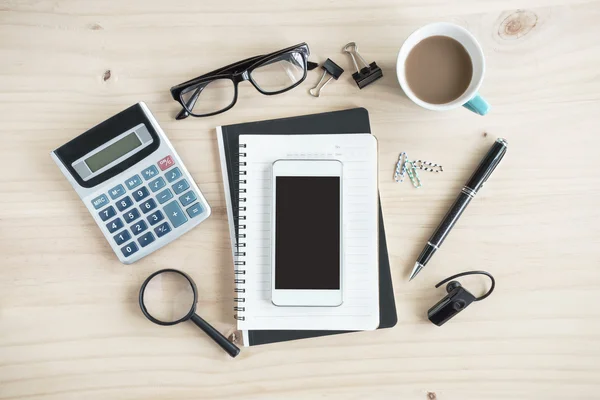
(169, 296)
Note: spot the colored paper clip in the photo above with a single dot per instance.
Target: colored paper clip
(366, 75)
(413, 174)
(329, 68)
(428, 166)
(400, 168)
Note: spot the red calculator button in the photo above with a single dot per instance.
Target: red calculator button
(166, 163)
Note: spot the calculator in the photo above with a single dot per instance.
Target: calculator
(133, 183)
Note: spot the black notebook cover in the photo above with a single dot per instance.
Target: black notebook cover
(347, 121)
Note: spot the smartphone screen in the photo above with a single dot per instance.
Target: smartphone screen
(307, 232)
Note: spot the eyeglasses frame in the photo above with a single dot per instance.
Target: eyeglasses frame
(236, 72)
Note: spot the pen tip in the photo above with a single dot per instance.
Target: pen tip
(417, 268)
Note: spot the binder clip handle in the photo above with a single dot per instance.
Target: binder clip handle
(352, 49)
(329, 68)
(366, 75)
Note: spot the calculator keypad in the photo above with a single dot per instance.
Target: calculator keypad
(146, 239)
(122, 237)
(139, 227)
(150, 172)
(188, 198)
(195, 210)
(100, 201)
(175, 214)
(148, 206)
(173, 174)
(133, 182)
(166, 163)
(157, 184)
(129, 249)
(155, 217)
(162, 229)
(115, 225)
(180, 186)
(116, 192)
(166, 203)
(131, 215)
(141, 193)
(164, 196)
(124, 203)
(107, 213)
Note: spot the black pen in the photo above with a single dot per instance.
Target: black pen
(468, 192)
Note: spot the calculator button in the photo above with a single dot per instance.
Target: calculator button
(124, 203)
(146, 239)
(188, 198)
(115, 225)
(195, 210)
(164, 196)
(150, 172)
(148, 206)
(116, 192)
(129, 249)
(157, 184)
(166, 163)
(107, 213)
(141, 193)
(173, 175)
(162, 229)
(138, 227)
(133, 182)
(175, 214)
(180, 186)
(131, 215)
(100, 201)
(155, 217)
(122, 237)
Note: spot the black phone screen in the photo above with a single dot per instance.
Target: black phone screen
(307, 232)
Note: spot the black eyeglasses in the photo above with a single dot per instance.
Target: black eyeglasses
(217, 91)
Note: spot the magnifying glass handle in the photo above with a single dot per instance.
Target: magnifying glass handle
(215, 335)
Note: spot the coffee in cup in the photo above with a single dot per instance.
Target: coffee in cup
(441, 66)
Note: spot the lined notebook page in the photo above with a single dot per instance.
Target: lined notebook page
(360, 309)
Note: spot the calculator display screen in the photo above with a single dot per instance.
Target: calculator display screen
(113, 152)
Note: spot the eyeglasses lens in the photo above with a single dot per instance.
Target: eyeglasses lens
(209, 97)
(279, 73)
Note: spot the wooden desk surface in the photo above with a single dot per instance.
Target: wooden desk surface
(70, 326)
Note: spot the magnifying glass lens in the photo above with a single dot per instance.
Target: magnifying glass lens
(168, 297)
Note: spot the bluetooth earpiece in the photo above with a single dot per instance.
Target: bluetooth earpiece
(457, 299)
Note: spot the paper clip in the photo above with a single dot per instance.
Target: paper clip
(366, 75)
(428, 166)
(334, 71)
(400, 168)
(413, 174)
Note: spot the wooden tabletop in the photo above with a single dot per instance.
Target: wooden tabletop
(70, 325)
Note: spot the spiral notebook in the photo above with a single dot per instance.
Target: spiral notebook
(352, 121)
(360, 309)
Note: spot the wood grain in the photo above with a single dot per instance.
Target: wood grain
(70, 327)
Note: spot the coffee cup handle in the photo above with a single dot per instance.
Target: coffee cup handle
(478, 105)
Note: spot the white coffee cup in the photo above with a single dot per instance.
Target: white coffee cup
(470, 99)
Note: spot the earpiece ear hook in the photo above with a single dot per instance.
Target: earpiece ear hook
(472, 273)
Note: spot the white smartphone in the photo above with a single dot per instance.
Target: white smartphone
(306, 233)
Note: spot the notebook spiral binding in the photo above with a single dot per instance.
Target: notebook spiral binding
(240, 254)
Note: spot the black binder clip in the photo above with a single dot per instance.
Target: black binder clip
(334, 71)
(366, 75)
